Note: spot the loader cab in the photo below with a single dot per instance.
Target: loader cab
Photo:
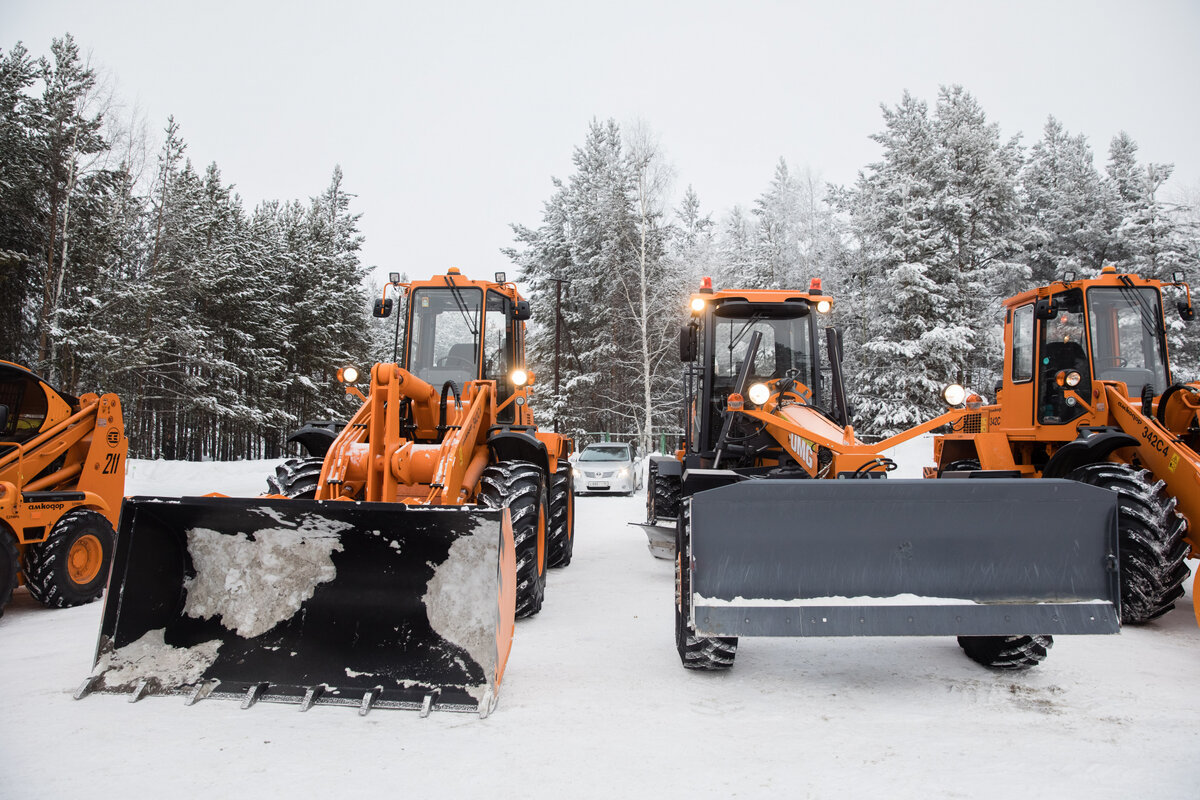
(32, 404)
(1059, 343)
(463, 333)
(787, 349)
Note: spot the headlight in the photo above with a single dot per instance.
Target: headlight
(823, 306)
(348, 375)
(519, 377)
(625, 472)
(954, 395)
(1073, 379)
(697, 304)
(575, 473)
(759, 393)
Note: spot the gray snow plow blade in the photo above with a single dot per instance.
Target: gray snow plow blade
(904, 558)
(374, 605)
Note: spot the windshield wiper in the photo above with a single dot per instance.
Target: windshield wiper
(462, 305)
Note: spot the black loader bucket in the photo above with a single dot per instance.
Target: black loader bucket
(1003, 557)
(303, 601)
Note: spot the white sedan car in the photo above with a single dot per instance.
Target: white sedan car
(607, 467)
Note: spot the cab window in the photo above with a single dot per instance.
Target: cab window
(1022, 344)
(1063, 349)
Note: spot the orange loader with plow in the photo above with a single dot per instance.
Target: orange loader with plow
(786, 524)
(1088, 395)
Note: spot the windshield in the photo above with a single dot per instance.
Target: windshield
(1127, 344)
(611, 453)
(785, 346)
(445, 335)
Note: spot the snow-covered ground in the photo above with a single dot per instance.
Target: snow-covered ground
(595, 704)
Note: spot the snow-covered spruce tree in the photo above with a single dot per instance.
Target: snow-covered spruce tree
(737, 252)
(976, 216)
(603, 239)
(21, 220)
(327, 303)
(892, 218)
(1068, 221)
(934, 225)
(1150, 238)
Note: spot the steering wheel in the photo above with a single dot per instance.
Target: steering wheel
(1117, 361)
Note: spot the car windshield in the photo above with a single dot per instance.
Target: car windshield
(614, 453)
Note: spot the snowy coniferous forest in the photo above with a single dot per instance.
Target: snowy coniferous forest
(125, 268)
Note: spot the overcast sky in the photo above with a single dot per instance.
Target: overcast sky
(449, 119)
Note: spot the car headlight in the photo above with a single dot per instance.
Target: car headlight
(954, 395)
(575, 473)
(625, 472)
(759, 393)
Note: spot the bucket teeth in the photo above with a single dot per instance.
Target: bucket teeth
(200, 691)
(253, 694)
(368, 700)
(311, 695)
(86, 687)
(139, 691)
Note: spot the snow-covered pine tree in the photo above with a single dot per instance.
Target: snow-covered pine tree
(976, 213)
(1067, 220)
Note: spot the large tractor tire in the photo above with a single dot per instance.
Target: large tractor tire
(9, 560)
(561, 539)
(1011, 653)
(71, 566)
(296, 478)
(1152, 546)
(709, 653)
(662, 495)
(521, 486)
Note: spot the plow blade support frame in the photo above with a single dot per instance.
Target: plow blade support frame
(370, 605)
(1001, 557)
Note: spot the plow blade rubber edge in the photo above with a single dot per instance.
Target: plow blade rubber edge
(309, 602)
(904, 557)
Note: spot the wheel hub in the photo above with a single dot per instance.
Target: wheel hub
(84, 559)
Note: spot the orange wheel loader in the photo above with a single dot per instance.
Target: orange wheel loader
(386, 572)
(62, 475)
(785, 524)
(1087, 394)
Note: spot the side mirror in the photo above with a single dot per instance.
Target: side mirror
(687, 344)
(3, 418)
(1046, 308)
(521, 312)
(383, 308)
(1186, 312)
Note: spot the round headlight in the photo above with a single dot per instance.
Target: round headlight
(823, 306)
(697, 304)
(349, 375)
(519, 377)
(759, 393)
(1073, 378)
(954, 395)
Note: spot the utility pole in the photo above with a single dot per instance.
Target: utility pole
(558, 284)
